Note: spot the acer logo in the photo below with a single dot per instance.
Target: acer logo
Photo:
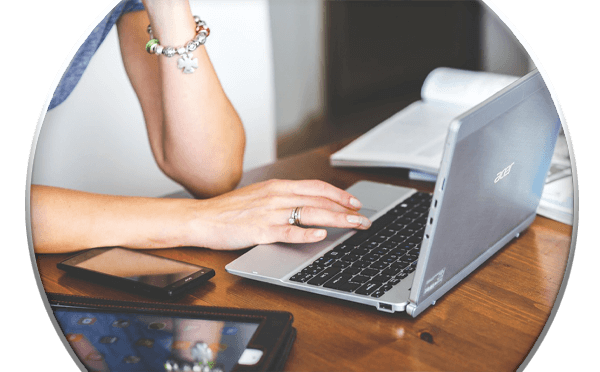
(504, 173)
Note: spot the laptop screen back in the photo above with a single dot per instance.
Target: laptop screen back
(495, 168)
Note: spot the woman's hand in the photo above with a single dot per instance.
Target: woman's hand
(260, 213)
(66, 220)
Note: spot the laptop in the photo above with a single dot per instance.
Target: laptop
(420, 245)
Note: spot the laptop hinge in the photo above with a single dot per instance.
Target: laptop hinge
(411, 308)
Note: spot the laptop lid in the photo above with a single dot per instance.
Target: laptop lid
(495, 162)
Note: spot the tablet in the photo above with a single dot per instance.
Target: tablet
(107, 335)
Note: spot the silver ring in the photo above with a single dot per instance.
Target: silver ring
(298, 222)
(295, 217)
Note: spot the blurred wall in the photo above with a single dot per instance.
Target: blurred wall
(299, 57)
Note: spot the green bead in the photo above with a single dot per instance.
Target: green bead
(150, 43)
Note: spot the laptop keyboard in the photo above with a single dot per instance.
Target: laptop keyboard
(373, 261)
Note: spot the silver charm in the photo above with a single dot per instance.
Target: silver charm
(188, 64)
(169, 52)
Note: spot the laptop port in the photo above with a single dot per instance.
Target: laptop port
(385, 307)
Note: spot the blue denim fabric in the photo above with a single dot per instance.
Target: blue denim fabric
(87, 50)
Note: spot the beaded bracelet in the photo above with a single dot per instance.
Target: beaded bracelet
(186, 62)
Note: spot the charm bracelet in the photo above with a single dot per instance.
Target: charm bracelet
(186, 62)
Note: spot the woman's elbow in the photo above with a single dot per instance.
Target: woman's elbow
(205, 179)
(226, 178)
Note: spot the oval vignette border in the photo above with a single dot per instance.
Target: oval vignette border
(110, 4)
(521, 40)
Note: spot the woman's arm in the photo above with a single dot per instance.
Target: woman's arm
(195, 134)
(198, 140)
(65, 220)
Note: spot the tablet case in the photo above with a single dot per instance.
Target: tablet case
(274, 360)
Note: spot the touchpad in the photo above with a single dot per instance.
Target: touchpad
(367, 212)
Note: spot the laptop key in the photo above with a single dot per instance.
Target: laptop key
(391, 271)
(411, 268)
(379, 265)
(368, 245)
(378, 293)
(388, 259)
(312, 269)
(350, 257)
(343, 248)
(378, 238)
(380, 251)
(340, 263)
(394, 281)
(361, 264)
(333, 254)
(349, 287)
(370, 272)
(401, 275)
(415, 238)
(381, 278)
(301, 278)
(324, 276)
(337, 281)
(360, 279)
(400, 265)
(388, 245)
(352, 270)
(323, 261)
(360, 250)
(398, 238)
(368, 288)
(371, 257)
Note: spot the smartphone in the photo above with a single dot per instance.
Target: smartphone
(136, 271)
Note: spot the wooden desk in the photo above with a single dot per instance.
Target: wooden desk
(489, 322)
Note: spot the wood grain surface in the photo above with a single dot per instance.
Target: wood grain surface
(489, 322)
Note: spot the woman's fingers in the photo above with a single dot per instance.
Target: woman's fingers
(261, 213)
(295, 234)
(314, 188)
(311, 216)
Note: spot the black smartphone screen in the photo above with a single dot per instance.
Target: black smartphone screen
(147, 270)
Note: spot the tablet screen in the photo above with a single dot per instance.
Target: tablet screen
(106, 341)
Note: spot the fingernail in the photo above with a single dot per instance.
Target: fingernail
(320, 233)
(355, 202)
(354, 219)
(359, 220)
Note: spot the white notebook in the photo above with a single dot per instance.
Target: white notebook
(414, 137)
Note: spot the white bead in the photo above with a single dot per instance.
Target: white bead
(159, 49)
(181, 50)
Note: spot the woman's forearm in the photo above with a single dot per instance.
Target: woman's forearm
(195, 133)
(65, 220)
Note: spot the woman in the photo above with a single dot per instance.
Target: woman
(198, 140)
